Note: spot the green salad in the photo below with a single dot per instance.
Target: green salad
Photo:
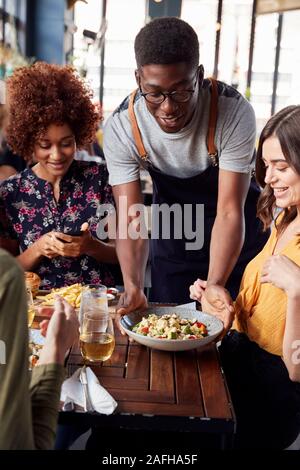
(170, 326)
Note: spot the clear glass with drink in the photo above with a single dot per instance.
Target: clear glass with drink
(97, 340)
(30, 307)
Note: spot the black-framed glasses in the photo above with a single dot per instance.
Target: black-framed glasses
(159, 97)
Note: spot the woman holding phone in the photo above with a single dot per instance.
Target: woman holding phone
(49, 212)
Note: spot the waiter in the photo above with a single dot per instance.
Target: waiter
(196, 138)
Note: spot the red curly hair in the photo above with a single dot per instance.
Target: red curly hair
(45, 94)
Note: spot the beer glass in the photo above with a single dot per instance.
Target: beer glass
(30, 307)
(97, 341)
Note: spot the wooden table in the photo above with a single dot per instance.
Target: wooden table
(158, 390)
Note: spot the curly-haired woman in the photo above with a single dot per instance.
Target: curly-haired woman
(261, 354)
(43, 209)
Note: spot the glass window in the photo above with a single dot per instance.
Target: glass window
(234, 43)
(11, 7)
(202, 16)
(263, 67)
(123, 26)
(288, 90)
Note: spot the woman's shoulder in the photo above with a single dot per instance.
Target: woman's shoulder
(91, 169)
(10, 184)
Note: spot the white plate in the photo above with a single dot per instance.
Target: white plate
(213, 324)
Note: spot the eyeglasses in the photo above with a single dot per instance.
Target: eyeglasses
(159, 97)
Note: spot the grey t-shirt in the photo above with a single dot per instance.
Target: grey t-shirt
(183, 153)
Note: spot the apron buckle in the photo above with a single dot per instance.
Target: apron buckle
(214, 158)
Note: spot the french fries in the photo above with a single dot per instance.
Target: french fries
(71, 294)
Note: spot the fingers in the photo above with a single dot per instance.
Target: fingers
(225, 297)
(201, 283)
(46, 311)
(84, 227)
(61, 306)
(43, 327)
(123, 311)
(118, 319)
(62, 237)
(197, 289)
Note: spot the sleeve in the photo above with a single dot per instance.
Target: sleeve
(121, 163)
(238, 139)
(6, 229)
(15, 408)
(45, 389)
(28, 416)
(106, 191)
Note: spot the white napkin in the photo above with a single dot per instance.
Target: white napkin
(189, 306)
(73, 391)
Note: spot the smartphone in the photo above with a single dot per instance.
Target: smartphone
(74, 232)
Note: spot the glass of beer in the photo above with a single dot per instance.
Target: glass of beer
(30, 307)
(97, 340)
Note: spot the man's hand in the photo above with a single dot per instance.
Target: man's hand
(283, 273)
(131, 300)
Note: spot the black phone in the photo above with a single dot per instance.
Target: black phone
(74, 232)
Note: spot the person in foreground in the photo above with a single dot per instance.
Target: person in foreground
(163, 128)
(28, 413)
(49, 213)
(261, 353)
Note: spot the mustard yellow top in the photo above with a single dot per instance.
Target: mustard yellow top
(261, 308)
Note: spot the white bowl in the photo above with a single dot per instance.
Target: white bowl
(213, 324)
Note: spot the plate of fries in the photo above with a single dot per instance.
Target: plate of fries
(71, 294)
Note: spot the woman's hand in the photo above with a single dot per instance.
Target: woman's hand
(197, 289)
(215, 300)
(283, 273)
(67, 245)
(61, 331)
(46, 246)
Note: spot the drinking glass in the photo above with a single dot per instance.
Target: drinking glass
(97, 340)
(30, 307)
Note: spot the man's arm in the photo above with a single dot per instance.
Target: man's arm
(229, 227)
(132, 253)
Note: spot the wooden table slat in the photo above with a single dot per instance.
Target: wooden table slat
(138, 362)
(161, 372)
(163, 409)
(216, 405)
(122, 384)
(118, 358)
(188, 387)
(137, 396)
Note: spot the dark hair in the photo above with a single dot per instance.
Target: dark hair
(45, 94)
(166, 40)
(285, 125)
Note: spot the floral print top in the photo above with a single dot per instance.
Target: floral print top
(28, 210)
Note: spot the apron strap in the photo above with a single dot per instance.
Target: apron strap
(210, 138)
(135, 128)
(212, 123)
